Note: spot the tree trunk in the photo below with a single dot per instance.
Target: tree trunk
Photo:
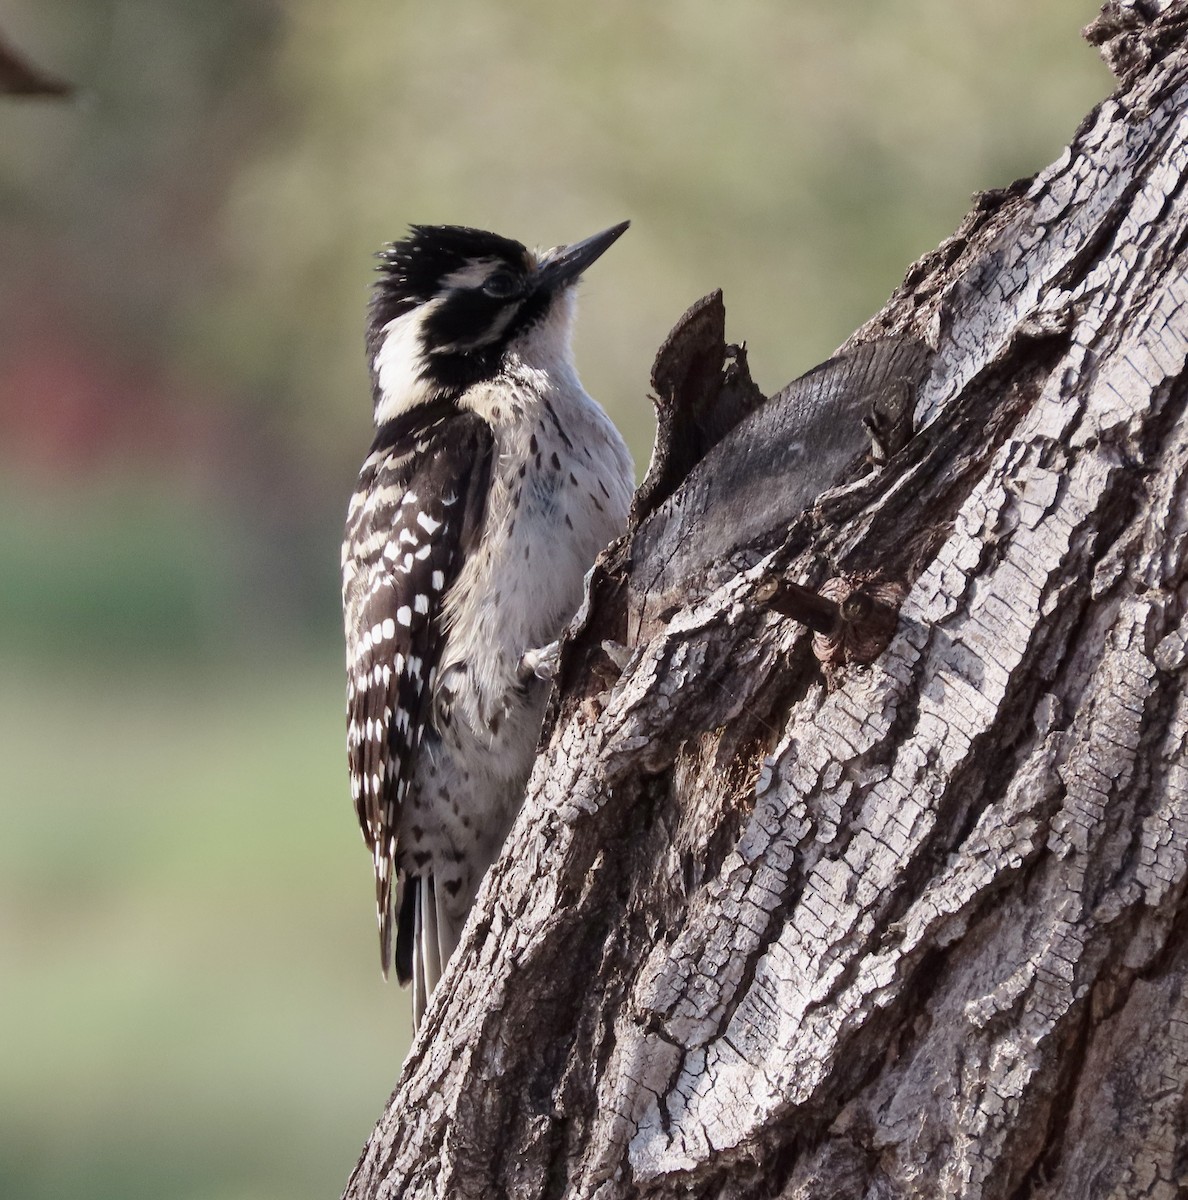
(777, 920)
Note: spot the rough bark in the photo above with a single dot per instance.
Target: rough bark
(913, 927)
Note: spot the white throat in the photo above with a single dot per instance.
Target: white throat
(548, 345)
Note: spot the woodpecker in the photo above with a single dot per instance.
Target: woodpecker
(492, 483)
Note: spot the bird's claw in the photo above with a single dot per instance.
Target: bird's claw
(540, 663)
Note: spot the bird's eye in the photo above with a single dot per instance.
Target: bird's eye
(501, 285)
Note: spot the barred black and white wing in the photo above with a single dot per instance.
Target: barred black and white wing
(418, 505)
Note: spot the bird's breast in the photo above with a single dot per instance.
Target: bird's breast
(560, 488)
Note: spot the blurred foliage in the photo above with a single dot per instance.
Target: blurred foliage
(800, 156)
(189, 996)
(188, 978)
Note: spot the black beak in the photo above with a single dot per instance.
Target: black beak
(563, 266)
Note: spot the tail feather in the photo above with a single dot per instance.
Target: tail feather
(427, 935)
(426, 958)
(420, 987)
(406, 930)
(426, 938)
(446, 931)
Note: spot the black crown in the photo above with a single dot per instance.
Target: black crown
(412, 269)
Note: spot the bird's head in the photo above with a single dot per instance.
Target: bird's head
(451, 302)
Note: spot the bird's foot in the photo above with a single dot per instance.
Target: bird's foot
(540, 663)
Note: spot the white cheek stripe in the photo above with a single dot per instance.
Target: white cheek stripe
(399, 364)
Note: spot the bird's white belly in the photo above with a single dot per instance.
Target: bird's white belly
(547, 533)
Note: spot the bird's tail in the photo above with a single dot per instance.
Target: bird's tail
(426, 936)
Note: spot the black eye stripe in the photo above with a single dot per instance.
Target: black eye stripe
(465, 317)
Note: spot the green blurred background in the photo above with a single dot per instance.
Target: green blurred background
(189, 999)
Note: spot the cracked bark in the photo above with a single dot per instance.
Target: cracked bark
(917, 929)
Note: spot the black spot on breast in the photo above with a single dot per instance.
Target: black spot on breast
(557, 426)
(555, 461)
(452, 886)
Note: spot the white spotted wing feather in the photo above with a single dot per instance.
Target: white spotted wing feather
(418, 503)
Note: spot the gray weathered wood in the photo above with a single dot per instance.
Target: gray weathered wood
(921, 931)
